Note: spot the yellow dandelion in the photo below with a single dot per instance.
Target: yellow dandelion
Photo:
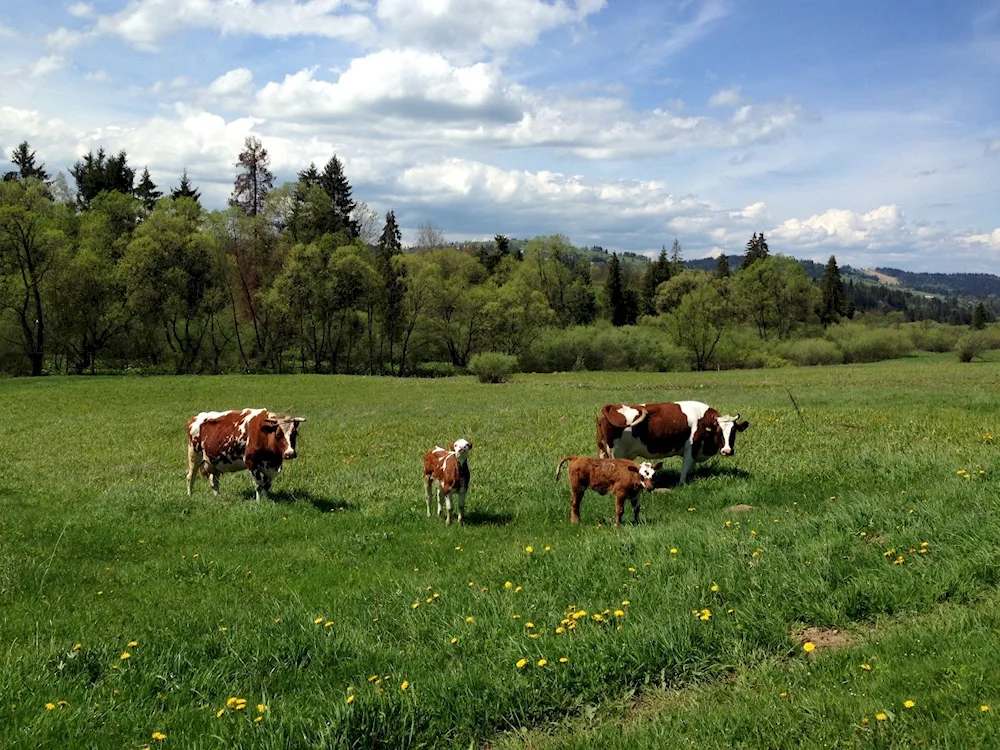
(318, 620)
(625, 602)
(984, 708)
(350, 699)
(261, 708)
(899, 560)
(126, 655)
(619, 613)
(515, 617)
(522, 663)
(517, 589)
(542, 662)
(258, 719)
(705, 615)
(867, 667)
(529, 549)
(62, 704)
(50, 706)
(631, 570)
(863, 534)
(414, 605)
(77, 646)
(373, 678)
(220, 712)
(753, 532)
(563, 659)
(782, 695)
(404, 684)
(864, 721)
(690, 510)
(508, 585)
(458, 548)
(159, 736)
(728, 524)
(808, 646)
(328, 624)
(529, 624)
(673, 550)
(470, 619)
(534, 635)
(909, 703)
(715, 587)
(232, 702)
(277, 619)
(454, 641)
(133, 644)
(560, 629)
(548, 548)
(881, 716)
(578, 614)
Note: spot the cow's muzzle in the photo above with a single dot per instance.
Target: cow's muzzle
(289, 455)
(727, 451)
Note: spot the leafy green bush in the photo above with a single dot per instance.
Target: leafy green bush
(806, 352)
(742, 349)
(493, 367)
(971, 345)
(434, 370)
(640, 348)
(862, 344)
(928, 336)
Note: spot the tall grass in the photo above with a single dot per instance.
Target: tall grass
(341, 586)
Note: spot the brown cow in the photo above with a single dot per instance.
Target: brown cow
(620, 476)
(257, 440)
(690, 429)
(449, 471)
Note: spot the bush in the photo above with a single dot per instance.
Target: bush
(741, 348)
(861, 344)
(971, 345)
(934, 337)
(493, 367)
(601, 347)
(434, 370)
(807, 352)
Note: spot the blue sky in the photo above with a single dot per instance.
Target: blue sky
(866, 130)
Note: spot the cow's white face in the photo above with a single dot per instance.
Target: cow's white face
(647, 471)
(289, 429)
(729, 427)
(461, 448)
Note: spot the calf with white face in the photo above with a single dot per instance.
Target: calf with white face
(448, 470)
(621, 477)
(690, 429)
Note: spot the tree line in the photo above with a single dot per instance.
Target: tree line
(116, 274)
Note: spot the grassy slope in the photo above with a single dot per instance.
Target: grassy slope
(99, 547)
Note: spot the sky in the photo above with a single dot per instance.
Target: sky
(864, 129)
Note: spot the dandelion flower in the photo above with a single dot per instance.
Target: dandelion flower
(631, 570)
(414, 605)
(454, 640)
(258, 720)
(715, 587)
(867, 667)
(517, 589)
(560, 629)
(328, 624)
(133, 644)
(50, 706)
(563, 659)
(529, 624)
(261, 708)
(625, 602)
(522, 663)
(909, 703)
(77, 646)
(508, 585)
(404, 684)
(318, 620)
(542, 662)
(705, 615)
(159, 736)
(470, 619)
(350, 699)
(984, 708)
(548, 548)
(220, 712)
(619, 613)
(808, 646)
(881, 716)
(673, 550)
(529, 549)
(126, 655)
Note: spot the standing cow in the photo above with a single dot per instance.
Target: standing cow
(257, 440)
(448, 470)
(690, 429)
(622, 478)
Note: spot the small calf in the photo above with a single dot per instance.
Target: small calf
(449, 470)
(620, 476)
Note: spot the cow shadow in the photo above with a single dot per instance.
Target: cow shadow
(486, 518)
(667, 478)
(289, 497)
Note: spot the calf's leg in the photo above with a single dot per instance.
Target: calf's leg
(428, 481)
(193, 461)
(447, 505)
(461, 503)
(575, 496)
(619, 507)
(635, 508)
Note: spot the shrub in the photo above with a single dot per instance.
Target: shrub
(862, 344)
(808, 352)
(493, 367)
(642, 348)
(971, 345)
(934, 337)
(434, 370)
(742, 349)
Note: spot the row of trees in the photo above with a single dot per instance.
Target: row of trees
(302, 277)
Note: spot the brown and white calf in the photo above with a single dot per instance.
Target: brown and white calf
(256, 440)
(619, 476)
(448, 470)
(690, 429)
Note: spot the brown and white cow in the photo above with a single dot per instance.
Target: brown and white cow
(619, 476)
(448, 470)
(257, 440)
(690, 429)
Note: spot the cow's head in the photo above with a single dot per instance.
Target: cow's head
(285, 430)
(646, 472)
(461, 448)
(727, 428)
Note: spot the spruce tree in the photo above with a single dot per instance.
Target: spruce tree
(657, 272)
(185, 189)
(390, 243)
(146, 190)
(833, 301)
(722, 267)
(255, 181)
(979, 317)
(614, 288)
(97, 173)
(676, 260)
(333, 181)
(757, 249)
(24, 159)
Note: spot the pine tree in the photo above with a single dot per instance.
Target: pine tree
(722, 267)
(333, 181)
(185, 189)
(24, 159)
(676, 260)
(390, 243)
(98, 173)
(657, 272)
(252, 185)
(979, 317)
(833, 301)
(146, 190)
(757, 249)
(614, 288)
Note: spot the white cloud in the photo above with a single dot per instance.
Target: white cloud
(81, 10)
(231, 88)
(991, 240)
(993, 147)
(6, 31)
(64, 39)
(754, 212)
(876, 228)
(45, 65)
(731, 97)
(145, 22)
(97, 76)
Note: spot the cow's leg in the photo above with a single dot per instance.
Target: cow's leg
(575, 496)
(428, 481)
(687, 463)
(214, 478)
(635, 508)
(193, 461)
(619, 507)
(439, 491)
(447, 507)
(461, 503)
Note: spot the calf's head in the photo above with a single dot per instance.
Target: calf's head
(461, 448)
(646, 471)
(285, 431)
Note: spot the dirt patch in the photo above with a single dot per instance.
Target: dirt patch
(741, 508)
(825, 638)
(883, 277)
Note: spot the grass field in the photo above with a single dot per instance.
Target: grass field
(336, 614)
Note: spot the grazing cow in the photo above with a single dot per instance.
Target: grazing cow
(253, 439)
(449, 470)
(690, 429)
(620, 476)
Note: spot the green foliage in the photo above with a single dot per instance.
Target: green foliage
(24, 159)
(774, 294)
(493, 367)
(185, 190)
(95, 174)
(833, 303)
(809, 352)
(929, 336)
(698, 322)
(861, 344)
(970, 346)
(254, 180)
(638, 348)
(657, 272)
(434, 370)
(757, 249)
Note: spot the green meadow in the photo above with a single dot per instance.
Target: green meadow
(336, 614)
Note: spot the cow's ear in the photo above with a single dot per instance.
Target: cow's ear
(740, 426)
(298, 420)
(470, 444)
(451, 446)
(657, 465)
(268, 426)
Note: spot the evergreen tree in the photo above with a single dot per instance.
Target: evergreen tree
(722, 267)
(614, 288)
(255, 181)
(833, 301)
(676, 260)
(95, 174)
(657, 272)
(185, 189)
(757, 249)
(979, 317)
(146, 190)
(333, 181)
(390, 243)
(24, 159)
(309, 177)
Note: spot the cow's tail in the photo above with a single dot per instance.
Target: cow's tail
(559, 467)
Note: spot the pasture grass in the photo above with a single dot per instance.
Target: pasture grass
(339, 585)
